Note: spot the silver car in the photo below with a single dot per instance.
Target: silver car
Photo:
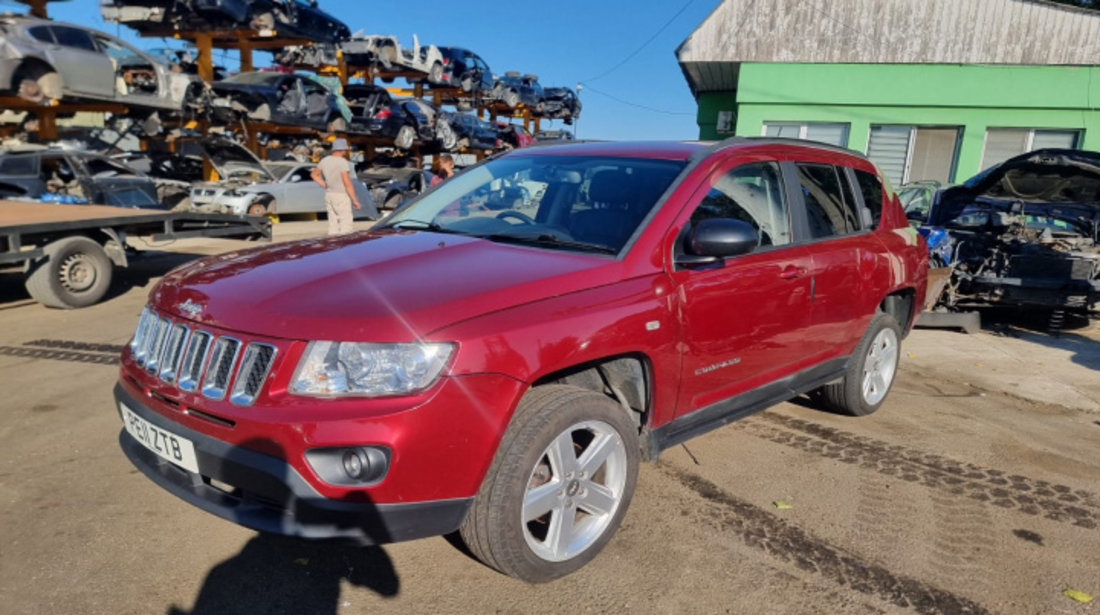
(43, 60)
(253, 187)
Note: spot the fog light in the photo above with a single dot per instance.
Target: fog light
(353, 464)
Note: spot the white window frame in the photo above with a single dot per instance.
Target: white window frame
(913, 143)
(1029, 145)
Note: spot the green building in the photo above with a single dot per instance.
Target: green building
(929, 89)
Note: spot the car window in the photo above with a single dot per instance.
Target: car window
(827, 211)
(870, 186)
(17, 165)
(102, 167)
(577, 203)
(75, 38)
(117, 50)
(41, 33)
(750, 193)
(129, 197)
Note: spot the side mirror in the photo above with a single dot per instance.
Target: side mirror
(714, 239)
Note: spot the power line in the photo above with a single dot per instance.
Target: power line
(645, 44)
(589, 88)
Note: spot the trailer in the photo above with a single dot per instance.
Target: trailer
(68, 252)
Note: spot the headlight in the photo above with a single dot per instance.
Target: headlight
(369, 369)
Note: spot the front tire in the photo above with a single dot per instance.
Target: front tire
(871, 370)
(76, 272)
(558, 487)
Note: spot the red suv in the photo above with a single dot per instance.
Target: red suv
(500, 365)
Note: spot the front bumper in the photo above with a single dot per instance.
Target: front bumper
(271, 496)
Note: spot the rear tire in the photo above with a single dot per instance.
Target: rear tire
(75, 273)
(406, 135)
(871, 370)
(510, 99)
(435, 75)
(559, 485)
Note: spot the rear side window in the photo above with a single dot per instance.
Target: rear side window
(870, 186)
(17, 165)
(751, 193)
(828, 211)
(74, 37)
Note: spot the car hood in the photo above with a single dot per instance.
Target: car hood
(1050, 179)
(230, 158)
(383, 286)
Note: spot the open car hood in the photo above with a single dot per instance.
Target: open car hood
(231, 159)
(1062, 179)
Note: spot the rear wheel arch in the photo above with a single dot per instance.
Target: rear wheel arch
(900, 305)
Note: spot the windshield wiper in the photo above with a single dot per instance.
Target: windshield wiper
(418, 225)
(546, 239)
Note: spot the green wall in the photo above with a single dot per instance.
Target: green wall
(968, 96)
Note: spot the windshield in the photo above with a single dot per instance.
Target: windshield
(581, 203)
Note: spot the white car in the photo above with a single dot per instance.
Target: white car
(43, 60)
(386, 50)
(249, 186)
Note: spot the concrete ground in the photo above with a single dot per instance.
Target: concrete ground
(975, 489)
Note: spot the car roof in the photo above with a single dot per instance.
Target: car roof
(679, 150)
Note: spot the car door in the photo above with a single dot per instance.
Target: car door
(842, 251)
(743, 319)
(298, 193)
(22, 170)
(83, 67)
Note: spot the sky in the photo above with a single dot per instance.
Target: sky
(623, 51)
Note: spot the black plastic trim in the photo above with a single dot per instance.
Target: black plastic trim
(748, 403)
(273, 497)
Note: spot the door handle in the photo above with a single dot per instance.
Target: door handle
(790, 272)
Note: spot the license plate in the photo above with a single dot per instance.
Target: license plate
(165, 444)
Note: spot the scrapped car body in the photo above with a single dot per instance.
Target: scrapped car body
(466, 71)
(501, 369)
(472, 132)
(412, 120)
(562, 104)
(290, 18)
(43, 60)
(279, 98)
(387, 52)
(84, 176)
(1023, 233)
(252, 187)
(514, 89)
(392, 185)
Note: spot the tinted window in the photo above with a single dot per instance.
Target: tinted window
(827, 211)
(75, 38)
(17, 165)
(751, 193)
(870, 186)
(41, 33)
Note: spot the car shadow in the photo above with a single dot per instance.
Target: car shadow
(281, 574)
(1036, 327)
(277, 574)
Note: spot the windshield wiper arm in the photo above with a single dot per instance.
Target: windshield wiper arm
(547, 239)
(418, 225)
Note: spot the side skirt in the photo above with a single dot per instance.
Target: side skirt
(746, 404)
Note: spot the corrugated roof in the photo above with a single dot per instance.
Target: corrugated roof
(886, 32)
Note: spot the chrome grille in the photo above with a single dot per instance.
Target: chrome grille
(223, 356)
(250, 378)
(176, 353)
(156, 345)
(194, 360)
(173, 352)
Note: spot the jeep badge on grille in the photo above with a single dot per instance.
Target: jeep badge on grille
(190, 308)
